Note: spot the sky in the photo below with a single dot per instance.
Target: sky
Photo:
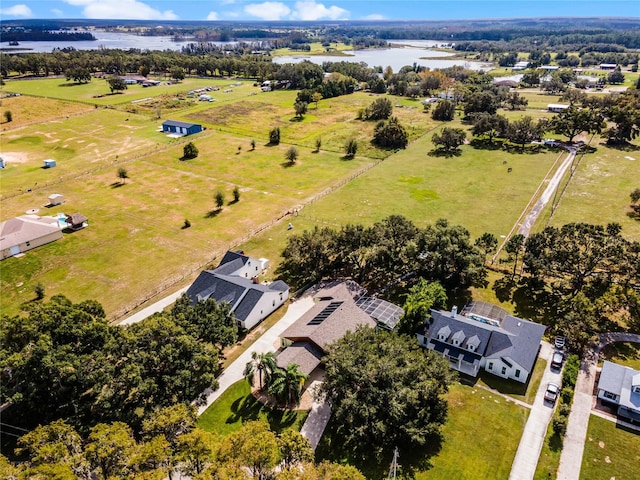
(312, 10)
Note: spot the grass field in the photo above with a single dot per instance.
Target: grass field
(480, 436)
(136, 227)
(526, 393)
(237, 405)
(610, 452)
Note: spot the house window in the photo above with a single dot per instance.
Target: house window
(636, 389)
(470, 347)
(609, 395)
(504, 370)
(490, 365)
(517, 373)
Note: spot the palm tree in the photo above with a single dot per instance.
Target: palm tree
(286, 385)
(264, 364)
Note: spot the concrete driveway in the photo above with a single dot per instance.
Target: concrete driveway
(573, 447)
(532, 440)
(268, 342)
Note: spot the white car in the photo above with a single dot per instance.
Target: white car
(552, 392)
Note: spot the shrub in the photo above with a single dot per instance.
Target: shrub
(559, 425)
(390, 134)
(351, 147)
(570, 372)
(186, 224)
(274, 136)
(8, 116)
(190, 151)
(444, 111)
(39, 291)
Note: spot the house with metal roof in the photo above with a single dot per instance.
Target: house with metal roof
(26, 232)
(484, 336)
(174, 127)
(235, 281)
(340, 307)
(619, 386)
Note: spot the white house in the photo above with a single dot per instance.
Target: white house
(620, 386)
(521, 65)
(26, 232)
(484, 336)
(235, 281)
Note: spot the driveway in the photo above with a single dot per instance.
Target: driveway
(573, 448)
(532, 440)
(268, 342)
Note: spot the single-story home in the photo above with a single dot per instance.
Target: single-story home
(484, 336)
(340, 307)
(235, 281)
(522, 65)
(181, 128)
(608, 66)
(26, 232)
(620, 387)
(557, 107)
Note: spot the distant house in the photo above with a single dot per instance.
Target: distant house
(49, 163)
(235, 281)
(557, 107)
(26, 232)
(619, 386)
(340, 307)
(181, 128)
(608, 66)
(484, 336)
(150, 83)
(521, 65)
(548, 68)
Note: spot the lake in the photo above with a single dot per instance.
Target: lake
(396, 58)
(114, 40)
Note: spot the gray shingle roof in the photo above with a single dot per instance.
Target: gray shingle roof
(304, 354)
(618, 379)
(516, 339)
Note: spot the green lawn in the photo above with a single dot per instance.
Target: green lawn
(480, 439)
(623, 353)
(610, 452)
(236, 406)
(549, 459)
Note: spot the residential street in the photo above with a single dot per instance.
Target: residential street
(532, 440)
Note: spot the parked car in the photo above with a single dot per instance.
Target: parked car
(560, 342)
(552, 392)
(557, 359)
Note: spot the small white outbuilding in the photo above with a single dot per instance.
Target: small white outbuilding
(56, 199)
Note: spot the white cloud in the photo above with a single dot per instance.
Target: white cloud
(16, 11)
(268, 10)
(212, 16)
(57, 12)
(310, 10)
(122, 9)
(374, 16)
(227, 2)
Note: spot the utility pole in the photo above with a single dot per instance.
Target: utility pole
(393, 470)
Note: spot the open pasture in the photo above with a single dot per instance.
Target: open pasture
(79, 143)
(96, 92)
(28, 110)
(334, 121)
(599, 190)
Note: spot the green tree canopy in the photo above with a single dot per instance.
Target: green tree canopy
(385, 391)
(422, 297)
(390, 134)
(449, 139)
(380, 109)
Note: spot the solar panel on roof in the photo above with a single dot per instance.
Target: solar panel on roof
(326, 311)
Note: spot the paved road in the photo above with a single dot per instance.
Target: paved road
(573, 447)
(268, 342)
(159, 306)
(532, 440)
(531, 218)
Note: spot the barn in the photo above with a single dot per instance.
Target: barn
(181, 128)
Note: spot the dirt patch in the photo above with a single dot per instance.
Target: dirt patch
(14, 157)
(607, 459)
(601, 444)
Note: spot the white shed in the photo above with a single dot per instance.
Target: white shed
(56, 199)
